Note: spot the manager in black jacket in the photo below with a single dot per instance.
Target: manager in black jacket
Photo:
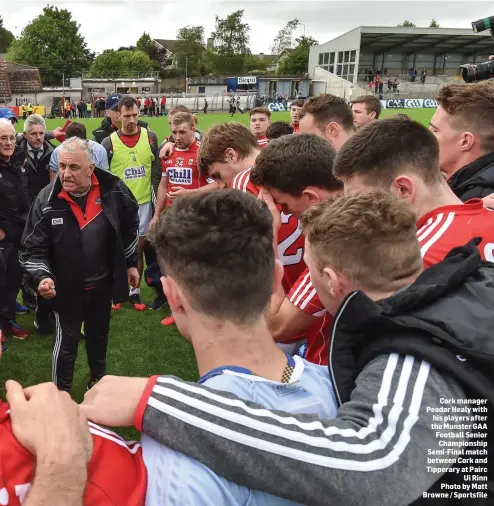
(464, 126)
(14, 205)
(80, 247)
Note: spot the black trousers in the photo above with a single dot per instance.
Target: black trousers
(12, 274)
(96, 317)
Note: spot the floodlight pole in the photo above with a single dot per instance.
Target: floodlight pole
(186, 79)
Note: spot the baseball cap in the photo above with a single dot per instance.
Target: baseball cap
(112, 101)
(7, 113)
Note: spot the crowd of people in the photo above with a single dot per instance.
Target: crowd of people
(333, 276)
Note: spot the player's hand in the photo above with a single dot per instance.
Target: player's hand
(2, 234)
(175, 192)
(153, 222)
(49, 424)
(133, 277)
(489, 201)
(47, 288)
(113, 400)
(58, 132)
(166, 150)
(267, 198)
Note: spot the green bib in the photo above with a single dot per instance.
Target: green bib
(133, 165)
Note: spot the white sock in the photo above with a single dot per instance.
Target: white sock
(135, 291)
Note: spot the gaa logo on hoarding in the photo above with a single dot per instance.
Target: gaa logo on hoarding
(276, 107)
(395, 103)
(413, 103)
(430, 102)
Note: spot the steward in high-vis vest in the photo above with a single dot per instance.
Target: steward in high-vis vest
(133, 157)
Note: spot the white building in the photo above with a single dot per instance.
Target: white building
(397, 50)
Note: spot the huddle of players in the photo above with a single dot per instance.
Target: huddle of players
(302, 176)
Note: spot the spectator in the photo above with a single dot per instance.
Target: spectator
(14, 206)
(423, 76)
(206, 105)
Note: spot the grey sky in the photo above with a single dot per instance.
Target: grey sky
(109, 24)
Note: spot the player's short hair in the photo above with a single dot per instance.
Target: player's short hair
(184, 117)
(178, 108)
(278, 129)
(297, 103)
(372, 104)
(370, 238)
(403, 116)
(260, 110)
(76, 130)
(471, 107)
(294, 162)
(219, 138)
(384, 149)
(218, 246)
(327, 108)
(128, 102)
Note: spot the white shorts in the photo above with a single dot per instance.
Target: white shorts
(145, 217)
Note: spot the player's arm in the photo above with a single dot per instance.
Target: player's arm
(156, 166)
(178, 191)
(286, 321)
(161, 198)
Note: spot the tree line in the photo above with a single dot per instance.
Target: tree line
(228, 53)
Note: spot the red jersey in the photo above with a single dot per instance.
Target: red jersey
(116, 472)
(446, 227)
(439, 232)
(290, 238)
(262, 141)
(296, 127)
(181, 169)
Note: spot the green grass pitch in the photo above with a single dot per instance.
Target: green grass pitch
(139, 345)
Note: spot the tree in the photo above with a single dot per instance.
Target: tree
(125, 63)
(284, 40)
(190, 51)
(255, 65)
(297, 60)
(52, 43)
(6, 37)
(231, 43)
(407, 24)
(434, 24)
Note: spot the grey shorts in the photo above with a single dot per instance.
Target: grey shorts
(145, 217)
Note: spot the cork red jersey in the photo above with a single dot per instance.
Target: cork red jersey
(290, 238)
(116, 472)
(262, 141)
(296, 127)
(438, 233)
(181, 169)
